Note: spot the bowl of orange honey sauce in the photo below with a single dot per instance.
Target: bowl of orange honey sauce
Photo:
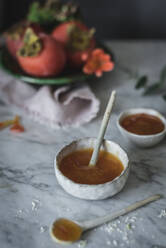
(142, 126)
(104, 180)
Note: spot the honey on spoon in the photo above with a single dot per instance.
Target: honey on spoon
(65, 231)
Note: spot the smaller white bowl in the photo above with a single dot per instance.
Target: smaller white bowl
(98, 191)
(142, 140)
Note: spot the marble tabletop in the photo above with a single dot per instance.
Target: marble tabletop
(30, 197)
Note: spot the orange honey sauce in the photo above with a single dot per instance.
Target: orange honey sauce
(66, 230)
(142, 124)
(75, 167)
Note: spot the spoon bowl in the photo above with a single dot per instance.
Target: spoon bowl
(65, 231)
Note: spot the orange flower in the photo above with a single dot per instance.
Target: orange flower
(17, 127)
(98, 62)
(6, 123)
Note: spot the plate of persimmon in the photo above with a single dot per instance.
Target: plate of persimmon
(53, 46)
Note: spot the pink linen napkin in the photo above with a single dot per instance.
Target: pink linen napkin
(64, 106)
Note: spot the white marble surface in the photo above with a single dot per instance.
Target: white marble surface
(30, 197)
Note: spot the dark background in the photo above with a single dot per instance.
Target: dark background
(114, 19)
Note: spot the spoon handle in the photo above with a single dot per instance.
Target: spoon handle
(101, 220)
(102, 130)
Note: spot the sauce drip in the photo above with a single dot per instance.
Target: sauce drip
(75, 167)
(142, 124)
(66, 230)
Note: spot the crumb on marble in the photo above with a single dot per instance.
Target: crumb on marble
(125, 237)
(129, 226)
(162, 213)
(35, 204)
(82, 243)
(124, 227)
(43, 229)
(108, 242)
(19, 211)
(115, 243)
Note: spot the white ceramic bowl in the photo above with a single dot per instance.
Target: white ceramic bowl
(92, 192)
(142, 140)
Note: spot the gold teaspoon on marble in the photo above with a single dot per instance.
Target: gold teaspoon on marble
(65, 231)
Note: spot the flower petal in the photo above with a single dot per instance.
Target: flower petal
(98, 73)
(106, 57)
(87, 70)
(84, 56)
(97, 52)
(108, 66)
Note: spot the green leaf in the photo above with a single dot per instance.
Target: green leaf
(164, 97)
(142, 81)
(33, 12)
(152, 88)
(52, 12)
(163, 74)
(40, 14)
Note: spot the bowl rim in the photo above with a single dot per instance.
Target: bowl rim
(146, 111)
(91, 185)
